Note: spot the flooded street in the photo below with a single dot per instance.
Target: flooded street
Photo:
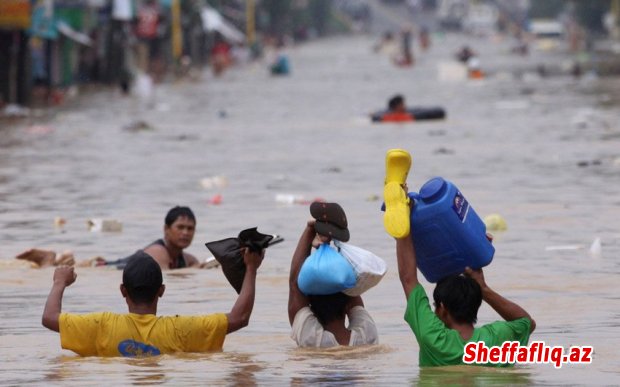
(542, 152)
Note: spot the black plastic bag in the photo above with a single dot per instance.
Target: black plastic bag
(228, 253)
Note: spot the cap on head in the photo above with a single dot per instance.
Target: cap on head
(142, 277)
(330, 220)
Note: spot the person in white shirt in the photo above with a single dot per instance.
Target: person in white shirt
(319, 321)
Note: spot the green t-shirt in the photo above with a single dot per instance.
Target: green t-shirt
(441, 346)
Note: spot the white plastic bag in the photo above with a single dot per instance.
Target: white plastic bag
(368, 267)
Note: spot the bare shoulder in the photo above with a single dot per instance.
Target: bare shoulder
(159, 253)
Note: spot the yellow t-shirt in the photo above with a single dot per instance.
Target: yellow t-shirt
(131, 335)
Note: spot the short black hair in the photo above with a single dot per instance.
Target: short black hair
(178, 212)
(461, 296)
(395, 101)
(330, 307)
(142, 278)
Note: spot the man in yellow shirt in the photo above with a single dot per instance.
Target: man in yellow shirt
(141, 332)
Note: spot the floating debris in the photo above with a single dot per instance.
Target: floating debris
(296, 199)
(213, 182)
(564, 247)
(104, 225)
(332, 170)
(443, 151)
(596, 248)
(495, 222)
(373, 198)
(587, 163)
(59, 222)
(138, 126)
(215, 200)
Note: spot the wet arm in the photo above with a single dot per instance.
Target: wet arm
(355, 301)
(63, 277)
(407, 265)
(507, 309)
(296, 299)
(239, 316)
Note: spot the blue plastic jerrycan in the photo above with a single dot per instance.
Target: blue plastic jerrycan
(448, 234)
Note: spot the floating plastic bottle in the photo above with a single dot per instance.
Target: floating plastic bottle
(448, 234)
(596, 249)
(104, 225)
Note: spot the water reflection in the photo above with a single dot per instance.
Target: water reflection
(236, 369)
(472, 376)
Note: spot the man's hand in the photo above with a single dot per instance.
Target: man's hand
(64, 275)
(477, 275)
(253, 259)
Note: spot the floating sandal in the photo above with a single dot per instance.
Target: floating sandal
(396, 219)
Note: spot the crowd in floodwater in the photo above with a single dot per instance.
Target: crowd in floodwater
(326, 280)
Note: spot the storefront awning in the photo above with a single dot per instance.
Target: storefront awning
(72, 34)
(15, 14)
(213, 21)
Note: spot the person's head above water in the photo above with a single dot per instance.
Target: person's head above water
(142, 279)
(457, 297)
(329, 307)
(179, 228)
(396, 103)
(179, 212)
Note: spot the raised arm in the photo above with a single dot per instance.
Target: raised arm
(407, 265)
(240, 313)
(63, 276)
(355, 301)
(296, 299)
(507, 309)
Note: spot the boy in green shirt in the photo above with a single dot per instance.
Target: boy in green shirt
(443, 334)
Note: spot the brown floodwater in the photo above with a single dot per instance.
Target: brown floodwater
(542, 152)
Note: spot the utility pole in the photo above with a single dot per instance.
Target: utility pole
(177, 32)
(250, 27)
(615, 11)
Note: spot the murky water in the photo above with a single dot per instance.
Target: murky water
(544, 153)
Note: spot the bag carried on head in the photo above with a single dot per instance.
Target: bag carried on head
(325, 272)
(368, 267)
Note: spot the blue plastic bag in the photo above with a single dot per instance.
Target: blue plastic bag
(325, 272)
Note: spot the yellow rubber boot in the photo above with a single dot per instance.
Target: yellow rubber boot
(396, 219)
(397, 165)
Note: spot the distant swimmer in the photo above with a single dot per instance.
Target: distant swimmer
(141, 333)
(406, 57)
(464, 54)
(397, 111)
(179, 228)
